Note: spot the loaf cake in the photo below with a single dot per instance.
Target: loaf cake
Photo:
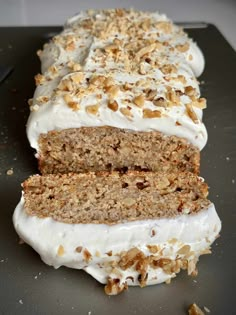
(118, 91)
(135, 228)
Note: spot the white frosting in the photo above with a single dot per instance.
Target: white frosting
(46, 236)
(55, 114)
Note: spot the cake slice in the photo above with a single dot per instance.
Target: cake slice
(136, 228)
(118, 90)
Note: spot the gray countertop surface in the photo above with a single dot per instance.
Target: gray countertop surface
(55, 12)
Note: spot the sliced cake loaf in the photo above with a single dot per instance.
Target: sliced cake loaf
(136, 228)
(118, 91)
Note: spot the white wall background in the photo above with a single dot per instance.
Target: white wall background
(55, 12)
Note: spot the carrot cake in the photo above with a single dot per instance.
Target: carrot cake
(118, 90)
(137, 228)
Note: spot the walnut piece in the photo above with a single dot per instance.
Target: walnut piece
(195, 310)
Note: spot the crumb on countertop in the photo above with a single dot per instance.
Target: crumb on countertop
(10, 172)
(195, 310)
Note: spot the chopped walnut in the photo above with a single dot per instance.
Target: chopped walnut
(92, 109)
(200, 103)
(130, 257)
(60, 251)
(70, 102)
(113, 106)
(77, 77)
(39, 79)
(150, 95)
(190, 91)
(184, 250)
(114, 286)
(87, 255)
(191, 113)
(139, 100)
(126, 111)
(42, 99)
(148, 113)
(183, 48)
(112, 90)
(145, 50)
(79, 249)
(153, 248)
(160, 101)
(74, 66)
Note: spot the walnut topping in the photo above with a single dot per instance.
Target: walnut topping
(160, 101)
(151, 95)
(190, 57)
(183, 48)
(53, 69)
(181, 78)
(153, 248)
(130, 257)
(191, 266)
(109, 253)
(173, 96)
(139, 100)
(97, 80)
(66, 85)
(148, 113)
(60, 251)
(195, 310)
(145, 50)
(79, 249)
(70, 46)
(39, 79)
(92, 109)
(200, 103)
(126, 112)
(184, 250)
(87, 255)
(114, 286)
(70, 102)
(74, 66)
(113, 91)
(77, 77)
(42, 99)
(191, 113)
(167, 69)
(164, 26)
(190, 91)
(177, 123)
(113, 106)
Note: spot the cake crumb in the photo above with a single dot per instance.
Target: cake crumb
(227, 158)
(20, 301)
(10, 172)
(195, 310)
(233, 181)
(206, 309)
